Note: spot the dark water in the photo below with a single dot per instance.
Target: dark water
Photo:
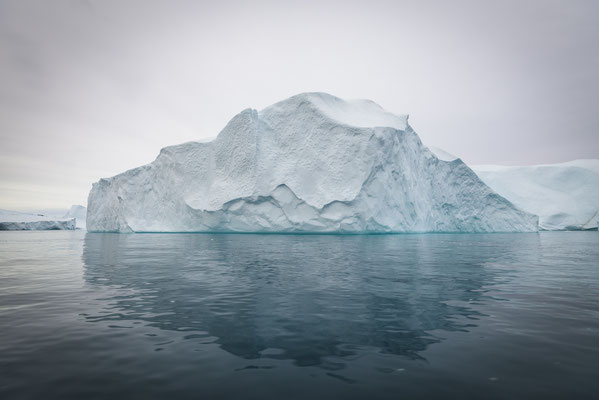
(311, 317)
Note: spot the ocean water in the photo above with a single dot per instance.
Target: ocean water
(204, 316)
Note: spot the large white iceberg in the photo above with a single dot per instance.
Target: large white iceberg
(565, 196)
(311, 163)
(19, 221)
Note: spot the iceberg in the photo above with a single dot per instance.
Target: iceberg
(18, 221)
(310, 163)
(79, 213)
(565, 196)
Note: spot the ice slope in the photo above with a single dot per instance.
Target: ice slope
(565, 196)
(17, 221)
(311, 163)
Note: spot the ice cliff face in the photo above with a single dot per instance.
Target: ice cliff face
(565, 196)
(311, 163)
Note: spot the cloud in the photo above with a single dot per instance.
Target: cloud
(89, 89)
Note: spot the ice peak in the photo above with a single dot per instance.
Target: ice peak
(359, 113)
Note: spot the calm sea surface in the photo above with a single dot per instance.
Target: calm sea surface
(298, 316)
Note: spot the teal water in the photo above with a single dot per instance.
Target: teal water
(298, 317)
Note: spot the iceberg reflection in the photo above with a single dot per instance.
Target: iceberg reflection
(294, 297)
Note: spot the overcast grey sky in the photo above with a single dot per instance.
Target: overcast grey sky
(91, 88)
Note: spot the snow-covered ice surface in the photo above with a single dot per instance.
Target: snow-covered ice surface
(311, 163)
(18, 221)
(565, 196)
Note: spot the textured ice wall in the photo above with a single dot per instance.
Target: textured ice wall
(311, 163)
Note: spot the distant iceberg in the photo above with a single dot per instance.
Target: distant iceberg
(311, 163)
(79, 213)
(565, 196)
(18, 221)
